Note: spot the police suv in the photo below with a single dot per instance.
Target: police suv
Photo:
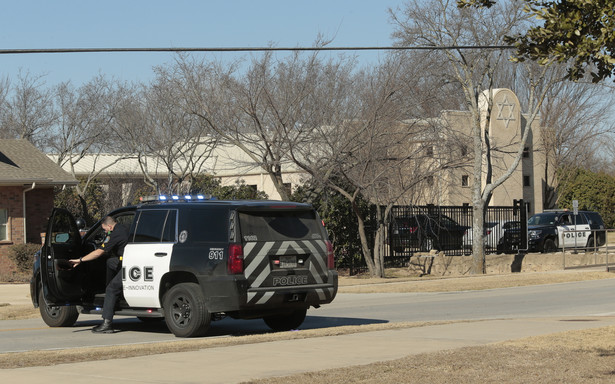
(555, 229)
(191, 260)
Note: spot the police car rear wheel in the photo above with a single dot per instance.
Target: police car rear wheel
(57, 316)
(185, 312)
(286, 322)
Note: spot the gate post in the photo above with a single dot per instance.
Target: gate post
(520, 208)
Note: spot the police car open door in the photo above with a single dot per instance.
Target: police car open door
(62, 242)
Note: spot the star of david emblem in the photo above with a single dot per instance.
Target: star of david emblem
(505, 111)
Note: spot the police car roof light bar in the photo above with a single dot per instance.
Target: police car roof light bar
(164, 198)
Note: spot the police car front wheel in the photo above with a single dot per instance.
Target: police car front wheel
(57, 316)
(185, 312)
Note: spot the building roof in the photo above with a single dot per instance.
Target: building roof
(22, 163)
(224, 161)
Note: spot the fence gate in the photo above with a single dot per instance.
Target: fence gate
(414, 229)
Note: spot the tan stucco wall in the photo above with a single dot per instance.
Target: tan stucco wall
(263, 182)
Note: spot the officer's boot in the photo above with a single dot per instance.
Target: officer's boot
(105, 327)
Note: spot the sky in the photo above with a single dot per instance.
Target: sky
(39, 24)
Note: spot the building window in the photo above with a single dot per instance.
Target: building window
(429, 150)
(4, 227)
(526, 181)
(526, 152)
(465, 181)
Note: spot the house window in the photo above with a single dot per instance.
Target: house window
(526, 152)
(465, 180)
(4, 227)
(429, 150)
(526, 181)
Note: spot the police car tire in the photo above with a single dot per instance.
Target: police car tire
(57, 316)
(286, 322)
(185, 312)
(549, 246)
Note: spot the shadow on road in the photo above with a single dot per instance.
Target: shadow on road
(226, 326)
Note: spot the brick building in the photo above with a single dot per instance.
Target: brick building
(27, 179)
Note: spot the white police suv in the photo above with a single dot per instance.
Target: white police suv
(191, 260)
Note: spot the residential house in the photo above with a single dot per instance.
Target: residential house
(27, 181)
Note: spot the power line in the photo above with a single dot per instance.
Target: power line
(249, 49)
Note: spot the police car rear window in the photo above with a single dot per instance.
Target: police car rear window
(279, 226)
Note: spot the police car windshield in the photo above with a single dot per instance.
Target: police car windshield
(548, 218)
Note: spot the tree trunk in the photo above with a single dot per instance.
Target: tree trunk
(375, 270)
(478, 249)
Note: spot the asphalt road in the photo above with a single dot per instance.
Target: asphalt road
(587, 298)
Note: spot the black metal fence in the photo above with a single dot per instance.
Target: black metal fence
(413, 229)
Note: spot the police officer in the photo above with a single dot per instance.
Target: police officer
(113, 245)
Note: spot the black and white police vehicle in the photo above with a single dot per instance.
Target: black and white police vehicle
(556, 229)
(189, 261)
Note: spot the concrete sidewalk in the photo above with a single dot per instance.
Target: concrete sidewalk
(239, 363)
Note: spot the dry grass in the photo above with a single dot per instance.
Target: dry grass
(18, 312)
(15, 277)
(568, 357)
(400, 281)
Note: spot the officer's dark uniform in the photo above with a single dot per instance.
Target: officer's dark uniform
(114, 246)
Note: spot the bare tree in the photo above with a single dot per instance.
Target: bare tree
(262, 111)
(83, 130)
(576, 125)
(29, 111)
(361, 141)
(153, 125)
(4, 89)
(441, 23)
(574, 119)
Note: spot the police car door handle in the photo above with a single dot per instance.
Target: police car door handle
(160, 254)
